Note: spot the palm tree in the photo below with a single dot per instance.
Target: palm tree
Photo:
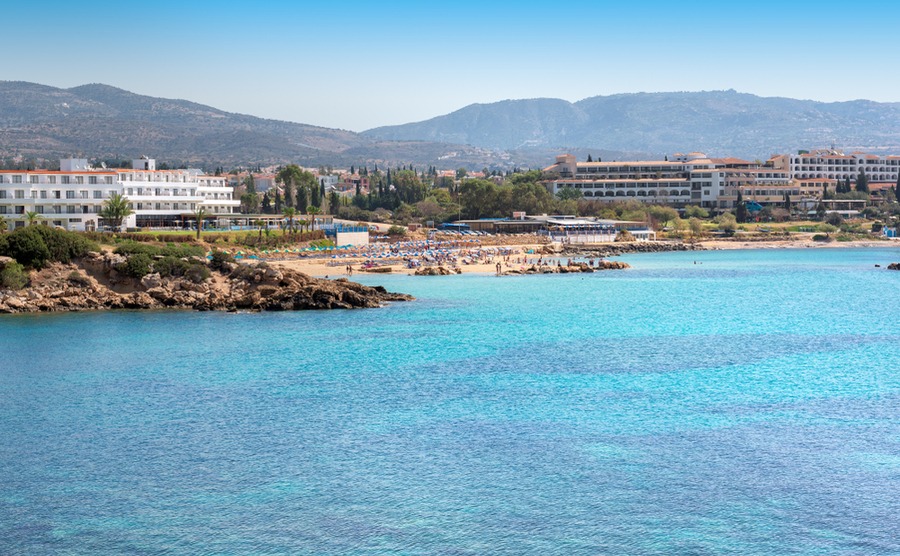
(115, 210)
(199, 214)
(32, 217)
(313, 211)
(290, 213)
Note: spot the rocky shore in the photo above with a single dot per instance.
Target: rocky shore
(570, 268)
(612, 250)
(94, 283)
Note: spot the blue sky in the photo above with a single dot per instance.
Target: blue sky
(356, 65)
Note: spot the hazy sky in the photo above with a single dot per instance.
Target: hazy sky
(356, 65)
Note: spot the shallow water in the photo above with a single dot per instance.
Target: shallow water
(742, 402)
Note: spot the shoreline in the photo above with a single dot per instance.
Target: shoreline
(332, 269)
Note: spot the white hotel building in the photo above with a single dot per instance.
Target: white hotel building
(687, 179)
(835, 165)
(73, 196)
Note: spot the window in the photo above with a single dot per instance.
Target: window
(79, 180)
(17, 179)
(65, 180)
(107, 180)
(98, 194)
(2, 194)
(33, 179)
(92, 180)
(20, 193)
(43, 194)
(70, 194)
(51, 179)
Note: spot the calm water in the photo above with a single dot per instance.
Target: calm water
(747, 404)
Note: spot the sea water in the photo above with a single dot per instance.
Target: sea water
(739, 402)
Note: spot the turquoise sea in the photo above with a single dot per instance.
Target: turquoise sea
(732, 402)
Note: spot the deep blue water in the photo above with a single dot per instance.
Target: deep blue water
(745, 404)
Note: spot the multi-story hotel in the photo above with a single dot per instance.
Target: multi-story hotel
(714, 183)
(73, 196)
(687, 179)
(835, 165)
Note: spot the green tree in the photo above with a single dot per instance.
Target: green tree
(741, 213)
(115, 210)
(32, 217)
(862, 182)
(694, 211)
(663, 214)
(696, 226)
(290, 213)
(569, 193)
(727, 223)
(312, 211)
(199, 214)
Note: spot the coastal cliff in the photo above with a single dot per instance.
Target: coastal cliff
(94, 283)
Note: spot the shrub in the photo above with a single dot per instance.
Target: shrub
(220, 259)
(131, 247)
(13, 276)
(137, 265)
(26, 245)
(78, 278)
(182, 250)
(396, 231)
(197, 273)
(624, 236)
(65, 246)
(170, 266)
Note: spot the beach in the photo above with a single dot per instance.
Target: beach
(481, 259)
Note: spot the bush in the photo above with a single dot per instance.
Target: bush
(26, 245)
(131, 247)
(78, 278)
(13, 276)
(182, 251)
(137, 265)
(220, 259)
(396, 231)
(65, 246)
(197, 273)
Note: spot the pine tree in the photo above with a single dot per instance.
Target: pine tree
(589, 158)
(862, 182)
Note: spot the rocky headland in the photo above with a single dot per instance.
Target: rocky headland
(95, 282)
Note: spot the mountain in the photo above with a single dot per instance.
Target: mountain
(716, 122)
(102, 121)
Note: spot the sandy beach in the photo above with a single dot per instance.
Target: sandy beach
(484, 262)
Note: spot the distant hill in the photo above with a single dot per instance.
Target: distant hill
(103, 121)
(716, 122)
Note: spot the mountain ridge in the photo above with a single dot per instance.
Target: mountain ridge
(718, 122)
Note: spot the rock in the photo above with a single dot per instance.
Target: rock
(894, 266)
(249, 287)
(151, 281)
(435, 271)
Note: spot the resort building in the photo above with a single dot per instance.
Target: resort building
(687, 179)
(73, 196)
(835, 165)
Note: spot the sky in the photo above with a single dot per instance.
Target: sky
(361, 64)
